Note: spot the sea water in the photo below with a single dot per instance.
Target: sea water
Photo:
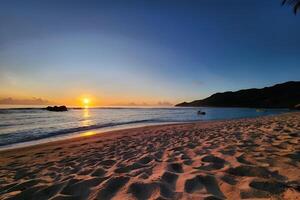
(18, 125)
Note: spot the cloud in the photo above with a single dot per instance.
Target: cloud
(32, 101)
(164, 103)
(130, 104)
(159, 103)
(137, 104)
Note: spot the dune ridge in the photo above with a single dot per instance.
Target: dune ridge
(254, 158)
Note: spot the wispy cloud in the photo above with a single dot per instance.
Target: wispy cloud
(164, 103)
(32, 101)
(159, 103)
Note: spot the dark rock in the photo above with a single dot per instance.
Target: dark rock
(56, 108)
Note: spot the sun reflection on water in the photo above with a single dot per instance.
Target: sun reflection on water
(86, 122)
(86, 117)
(86, 113)
(89, 133)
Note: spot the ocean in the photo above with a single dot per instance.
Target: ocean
(20, 126)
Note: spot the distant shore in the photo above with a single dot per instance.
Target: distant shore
(283, 95)
(233, 159)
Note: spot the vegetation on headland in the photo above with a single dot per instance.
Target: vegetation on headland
(284, 95)
(294, 3)
(56, 108)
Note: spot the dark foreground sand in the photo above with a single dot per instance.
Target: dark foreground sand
(237, 159)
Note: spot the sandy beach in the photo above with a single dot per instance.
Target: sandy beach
(254, 158)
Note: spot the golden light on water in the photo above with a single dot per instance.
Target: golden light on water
(86, 117)
(89, 133)
(86, 113)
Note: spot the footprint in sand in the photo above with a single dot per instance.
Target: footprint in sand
(111, 187)
(243, 160)
(142, 191)
(170, 178)
(229, 179)
(215, 163)
(192, 185)
(129, 168)
(98, 172)
(272, 187)
(81, 188)
(208, 182)
(175, 167)
(254, 171)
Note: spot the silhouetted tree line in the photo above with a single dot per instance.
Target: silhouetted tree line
(294, 3)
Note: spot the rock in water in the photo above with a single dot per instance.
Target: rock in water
(57, 108)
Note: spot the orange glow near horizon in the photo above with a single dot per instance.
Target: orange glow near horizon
(86, 100)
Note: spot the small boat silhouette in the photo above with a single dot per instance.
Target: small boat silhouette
(201, 113)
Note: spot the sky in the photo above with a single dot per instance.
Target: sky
(143, 52)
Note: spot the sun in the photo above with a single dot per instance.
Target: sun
(86, 102)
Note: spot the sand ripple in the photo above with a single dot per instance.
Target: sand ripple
(236, 159)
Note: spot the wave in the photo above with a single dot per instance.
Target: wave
(9, 139)
(22, 126)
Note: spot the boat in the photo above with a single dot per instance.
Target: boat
(201, 112)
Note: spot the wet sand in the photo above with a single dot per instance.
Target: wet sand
(255, 158)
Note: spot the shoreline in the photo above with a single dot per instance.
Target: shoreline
(96, 131)
(82, 134)
(234, 159)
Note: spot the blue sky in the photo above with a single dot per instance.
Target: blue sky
(119, 52)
